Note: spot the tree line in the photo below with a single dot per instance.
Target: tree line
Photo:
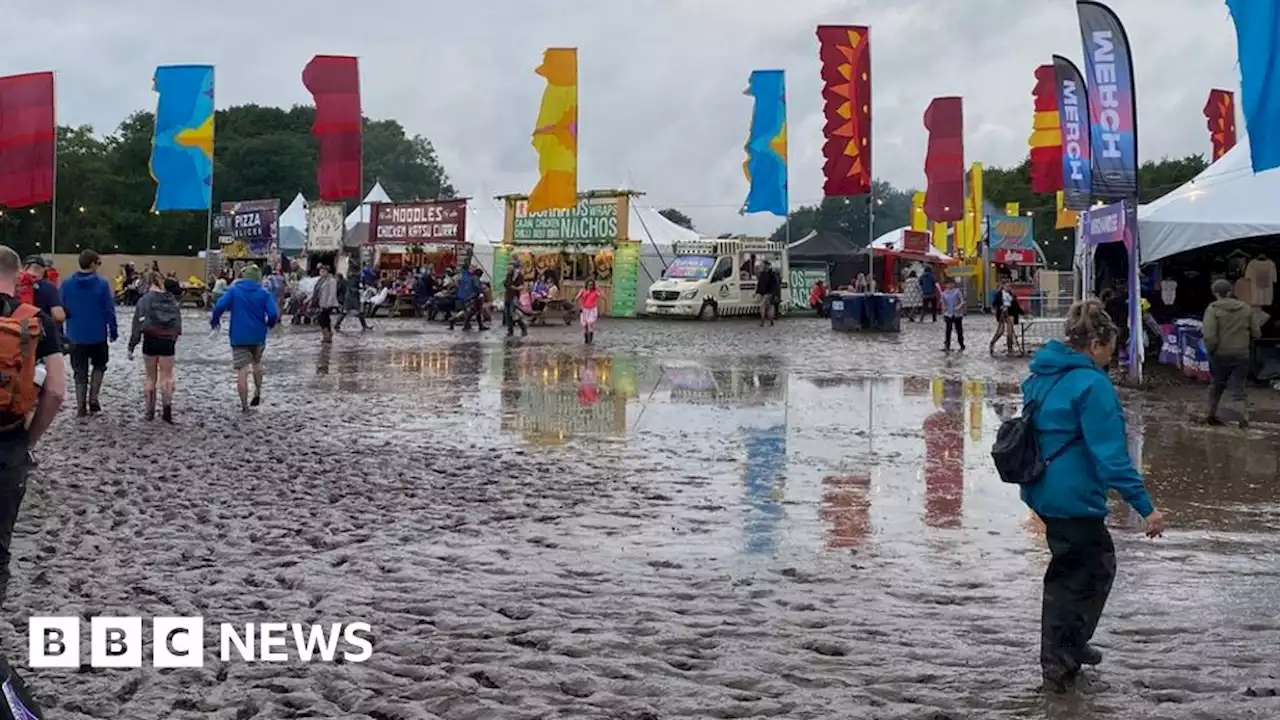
(105, 191)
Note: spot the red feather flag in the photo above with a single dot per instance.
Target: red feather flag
(27, 140)
(1046, 134)
(845, 51)
(944, 163)
(1220, 111)
(334, 82)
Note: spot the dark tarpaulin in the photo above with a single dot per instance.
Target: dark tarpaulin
(844, 258)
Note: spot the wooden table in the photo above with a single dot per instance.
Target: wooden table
(192, 294)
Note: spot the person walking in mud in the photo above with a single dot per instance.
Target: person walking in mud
(1230, 328)
(91, 325)
(351, 301)
(953, 308)
(253, 313)
(325, 299)
(157, 323)
(929, 292)
(1079, 428)
(469, 298)
(768, 288)
(28, 403)
(589, 303)
(1008, 312)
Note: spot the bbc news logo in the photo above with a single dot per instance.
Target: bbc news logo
(179, 642)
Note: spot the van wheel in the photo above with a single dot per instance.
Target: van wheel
(708, 312)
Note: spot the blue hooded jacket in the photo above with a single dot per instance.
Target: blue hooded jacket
(468, 285)
(253, 312)
(91, 309)
(1082, 410)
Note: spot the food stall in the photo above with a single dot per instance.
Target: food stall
(248, 233)
(325, 228)
(414, 235)
(1015, 256)
(882, 311)
(587, 242)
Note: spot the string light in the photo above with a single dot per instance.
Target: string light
(81, 208)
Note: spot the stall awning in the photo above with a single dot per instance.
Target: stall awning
(893, 244)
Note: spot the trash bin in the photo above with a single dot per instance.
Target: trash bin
(884, 313)
(847, 313)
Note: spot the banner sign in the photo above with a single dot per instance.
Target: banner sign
(803, 277)
(1009, 232)
(1108, 224)
(326, 225)
(419, 222)
(915, 241)
(593, 222)
(1006, 256)
(626, 274)
(1109, 68)
(1073, 112)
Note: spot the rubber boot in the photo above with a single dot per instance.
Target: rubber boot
(167, 415)
(151, 406)
(82, 391)
(95, 387)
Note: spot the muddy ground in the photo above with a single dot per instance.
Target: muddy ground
(683, 521)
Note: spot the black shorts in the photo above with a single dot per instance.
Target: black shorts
(84, 355)
(158, 346)
(325, 319)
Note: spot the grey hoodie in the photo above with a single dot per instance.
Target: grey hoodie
(157, 314)
(327, 292)
(1229, 328)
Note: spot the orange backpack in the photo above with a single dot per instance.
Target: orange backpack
(19, 338)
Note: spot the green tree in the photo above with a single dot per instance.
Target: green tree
(678, 218)
(847, 216)
(105, 190)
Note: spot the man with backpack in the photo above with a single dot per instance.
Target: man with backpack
(91, 323)
(253, 312)
(27, 339)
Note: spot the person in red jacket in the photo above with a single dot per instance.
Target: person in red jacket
(818, 298)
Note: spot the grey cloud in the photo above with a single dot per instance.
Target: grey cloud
(661, 80)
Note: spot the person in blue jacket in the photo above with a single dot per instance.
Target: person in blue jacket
(90, 305)
(469, 297)
(1079, 426)
(253, 312)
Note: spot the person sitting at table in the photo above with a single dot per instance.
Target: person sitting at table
(381, 297)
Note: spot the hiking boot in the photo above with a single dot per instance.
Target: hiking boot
(256, 401)
(151, 411)
(1213, 420)
(95, 387)
(1089, 655)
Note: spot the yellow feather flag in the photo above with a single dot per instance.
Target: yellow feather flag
(1067, 219)
(1012, 209)
(973, 211)
(555, 137)
(964, 228)
(918, 219)
(940, 236)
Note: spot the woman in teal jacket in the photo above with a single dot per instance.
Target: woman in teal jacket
(1080, 425)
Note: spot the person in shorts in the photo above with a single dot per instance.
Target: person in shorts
(157, 323)
(253, 313)
(90, 305)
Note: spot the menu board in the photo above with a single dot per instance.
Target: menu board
(626, 271)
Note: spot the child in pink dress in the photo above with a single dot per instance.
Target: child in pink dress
(589, 300)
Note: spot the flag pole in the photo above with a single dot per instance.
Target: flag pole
(53, 210)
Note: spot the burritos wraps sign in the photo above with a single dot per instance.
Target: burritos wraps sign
(593, 222)
(419, 222)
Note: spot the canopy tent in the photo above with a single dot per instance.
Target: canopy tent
(892, 243)
(293, 227)
(1225, 202)
(823, 247)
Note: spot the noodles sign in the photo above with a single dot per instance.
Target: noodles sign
(419, 223)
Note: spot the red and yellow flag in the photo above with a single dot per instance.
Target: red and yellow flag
(1220, 111)
(556, 135)
(1046, 134)
(845, 51)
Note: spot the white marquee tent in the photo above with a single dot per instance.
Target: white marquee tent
(893, 241)
(1225, 202)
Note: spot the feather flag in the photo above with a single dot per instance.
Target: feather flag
(182, 148)
(1046, 134)
(1067, 218)
(766, 164)
(919, 221)
(334, 82)
(1073, 111)
(939, 236)
(27, 140)
(555, 137)
(973, 213)
(1112, 102)
(1220, 111)
(944, 161)
(1257, 37)
(845, 51)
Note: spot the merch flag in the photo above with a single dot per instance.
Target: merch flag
(845, 51)
(1109, 71)
(334, 82)
(1073, 108)
(555, 137)
(944, 160)
(1046, 135)
(182, 148)
(766, 164)
(1257, 37)
(27, 137)
(1220, 111)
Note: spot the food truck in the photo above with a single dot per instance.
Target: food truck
(714, 278)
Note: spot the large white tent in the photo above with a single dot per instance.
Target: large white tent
(895, 241)
(1225, 202)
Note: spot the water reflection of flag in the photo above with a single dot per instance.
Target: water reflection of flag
(846, 508)
(765, 468)
(944, 459)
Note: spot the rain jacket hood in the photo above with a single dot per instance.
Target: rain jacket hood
(1079, 411)
(253, 312)
(91, 309)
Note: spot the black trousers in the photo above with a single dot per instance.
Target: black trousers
(1076, 587)
(82, 356)
(930, 306)
(14, 467)
(957, 324)
(1229, 373)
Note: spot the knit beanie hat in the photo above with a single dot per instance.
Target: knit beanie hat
(252, 272)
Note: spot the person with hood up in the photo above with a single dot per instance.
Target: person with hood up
(91, 323)
(157, 323)
(1230, 327)
(1079, 427)
(325, 299)
(253, 312)
(468, 305)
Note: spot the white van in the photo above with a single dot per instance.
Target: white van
(714, 278)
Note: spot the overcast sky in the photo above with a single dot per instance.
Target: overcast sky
(661, 81)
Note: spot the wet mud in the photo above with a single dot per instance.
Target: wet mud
(682, 521)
